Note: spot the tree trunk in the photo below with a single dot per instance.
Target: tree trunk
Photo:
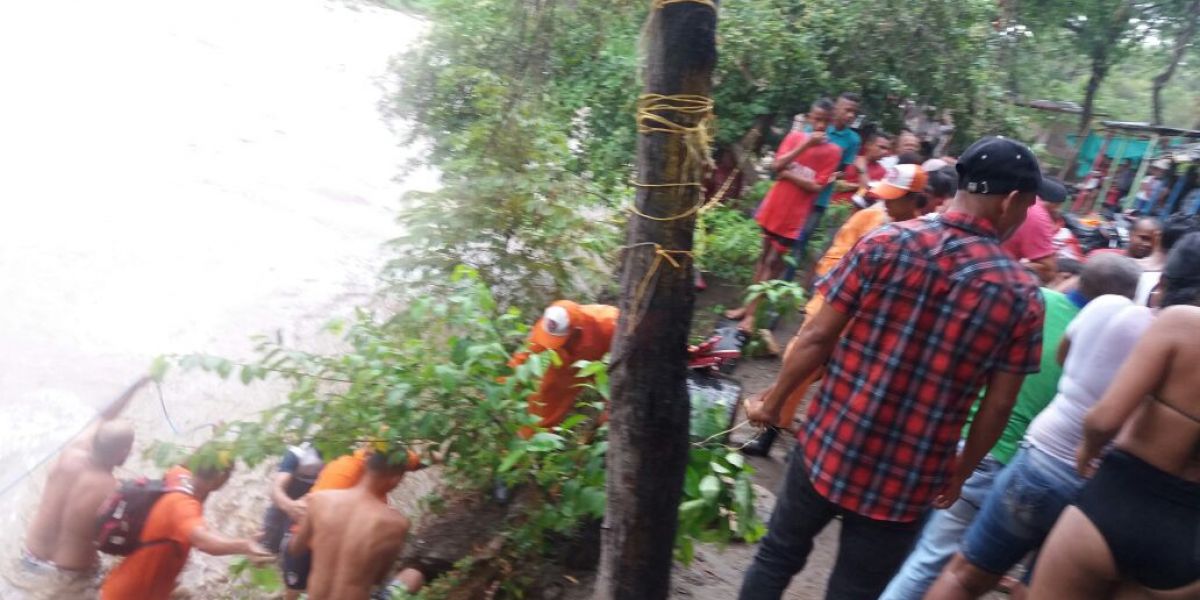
(745, 150)
(1182, 41)
(1099, 71)
(649, 409)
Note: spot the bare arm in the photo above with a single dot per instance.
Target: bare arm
(783, 161)
(989, 424)
(807, 185)
(814, 344)
(113, 410)
(1044, 268)
(1064, 347)
(293, 508)
(216, 544)
(303, 536)
(1139, 376)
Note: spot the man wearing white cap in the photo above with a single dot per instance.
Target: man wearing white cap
(576, 332)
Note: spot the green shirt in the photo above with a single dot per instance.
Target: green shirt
(1038, 389)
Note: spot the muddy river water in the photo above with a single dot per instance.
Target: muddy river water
(177, 176)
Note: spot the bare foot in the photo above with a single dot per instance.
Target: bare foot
(736, 314)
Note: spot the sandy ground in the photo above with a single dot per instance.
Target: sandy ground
(178, 177)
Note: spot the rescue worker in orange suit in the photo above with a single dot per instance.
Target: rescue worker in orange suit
(576, 332)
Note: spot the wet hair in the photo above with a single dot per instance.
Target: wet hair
(850, 97)
(1109, 273)
(1069, 265)
(942, 182)
(389, 463)
(909, 158)
(1177, 226)
(112, 442)
(824, 104)
(1182, 273)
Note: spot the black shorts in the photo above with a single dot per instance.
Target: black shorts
(1150, 520)
(295, 567)
(782, 243)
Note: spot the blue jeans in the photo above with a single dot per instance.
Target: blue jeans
(869, 551)
(941, 536)
(1017, 516)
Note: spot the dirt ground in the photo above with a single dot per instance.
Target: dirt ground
(717, 573)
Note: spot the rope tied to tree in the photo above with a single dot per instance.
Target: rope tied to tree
(696, 137)
(661, 255)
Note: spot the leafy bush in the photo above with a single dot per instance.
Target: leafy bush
(436, 374)
(728, 244)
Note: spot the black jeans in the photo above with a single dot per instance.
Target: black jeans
(869, 551)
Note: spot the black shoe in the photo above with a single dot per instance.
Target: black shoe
(761, 445)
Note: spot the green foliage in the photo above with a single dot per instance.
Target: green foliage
(437, 375)
(775, 297)
(728, 244)
(718, 501)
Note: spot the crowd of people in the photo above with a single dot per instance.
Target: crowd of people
(987, 388)
(987, 391)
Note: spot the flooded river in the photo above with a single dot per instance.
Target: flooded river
(176, 177)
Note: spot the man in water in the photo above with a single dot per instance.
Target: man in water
(60, 545)
(353, 556)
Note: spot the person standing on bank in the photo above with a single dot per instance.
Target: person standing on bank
(917, 318)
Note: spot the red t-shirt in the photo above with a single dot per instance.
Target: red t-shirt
(875, 172)
(1034, 239)
(785, 208)
(150, 572)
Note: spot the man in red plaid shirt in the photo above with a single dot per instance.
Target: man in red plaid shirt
(932, 310)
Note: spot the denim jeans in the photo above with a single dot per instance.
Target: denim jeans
(941, 536)
(1026, 501)
(869, 551)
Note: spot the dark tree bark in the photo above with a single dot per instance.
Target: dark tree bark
(1099, 72)
(648, 439)
(1182, 41)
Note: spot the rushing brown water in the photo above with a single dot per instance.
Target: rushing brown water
(177, 177)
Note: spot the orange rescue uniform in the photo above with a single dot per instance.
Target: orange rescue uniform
(560, 387)
(855, 228)
(149, 573)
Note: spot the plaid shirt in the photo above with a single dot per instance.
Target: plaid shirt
(935, 307)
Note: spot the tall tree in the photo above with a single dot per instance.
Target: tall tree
(648, 437)
(1183, 39)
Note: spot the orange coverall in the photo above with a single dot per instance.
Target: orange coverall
(559, 388)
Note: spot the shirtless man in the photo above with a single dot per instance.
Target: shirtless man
(1137, 519)
(60, 543)
(353, 556)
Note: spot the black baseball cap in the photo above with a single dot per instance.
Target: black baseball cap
(1052, 190)
(997, 165)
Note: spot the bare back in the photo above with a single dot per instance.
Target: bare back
(63, 530)
(355, 540)
(1165, 429)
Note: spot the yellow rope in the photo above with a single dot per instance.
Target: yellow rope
(660, 254)
(696, 137)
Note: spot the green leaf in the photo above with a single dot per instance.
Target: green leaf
(158, 368)
(710, 487)
(511, 459)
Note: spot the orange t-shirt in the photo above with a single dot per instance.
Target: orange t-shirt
(342, 473)
(855, 228)
(150, 572)
(560, 387)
